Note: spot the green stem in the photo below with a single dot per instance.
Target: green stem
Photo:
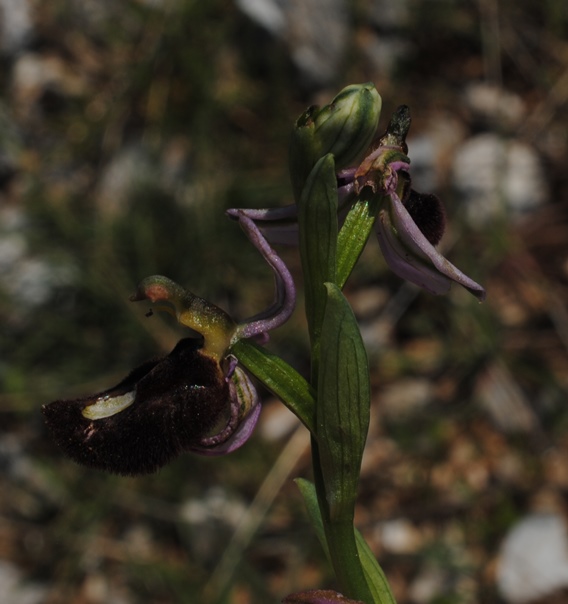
(340, 540)
(376, 580)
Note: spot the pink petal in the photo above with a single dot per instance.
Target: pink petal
(411, 256)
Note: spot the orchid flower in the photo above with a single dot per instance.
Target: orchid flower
(196, 399)
(199, 399)
(408, 228)
(409, 224)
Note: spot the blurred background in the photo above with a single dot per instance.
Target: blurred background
(127, 128)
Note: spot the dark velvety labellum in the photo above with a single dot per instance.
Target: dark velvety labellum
(428, 213)
(176, 401)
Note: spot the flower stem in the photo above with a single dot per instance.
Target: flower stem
(340, 541)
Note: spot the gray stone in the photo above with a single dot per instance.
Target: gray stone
(534, 558)
(405, 397)
(498, 178)
(494, 105)
(15, 25)
(314, 31)
(14, 590)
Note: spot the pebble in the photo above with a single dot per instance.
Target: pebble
(495, 177)
(13, 588)
(534, 558)
(16, 25)
(314, 32)
(399, 536)
(405, 397)
(494, 106)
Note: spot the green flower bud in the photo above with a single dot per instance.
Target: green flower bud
(344, 128)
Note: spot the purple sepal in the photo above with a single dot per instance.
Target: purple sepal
(412, 257)
(285, 296)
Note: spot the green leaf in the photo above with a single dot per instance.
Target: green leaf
(374, 574)
(342, 420)
(308, 491)
(317, 219)
(355, 232)
(281, 379)
(343, 404)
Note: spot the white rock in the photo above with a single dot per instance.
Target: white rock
(424, 166)
(315, 32)
(494, 104)
(384, 52)
(386, 45)
(13, 247)
(431, 149)
(430, 582)
(32, 281)
(525, 187)
(277, 422)
(210, 521)
(500, 395)
(496, 178)
(267, 13)
(216, 504)
(131, 169)
(317, 37)
(405, 396)
(534, 558)
(399, 536)
(13, 588)
(368, 301)
(15, 25)
(33, 73)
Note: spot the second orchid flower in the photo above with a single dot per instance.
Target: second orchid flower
(196, 399)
